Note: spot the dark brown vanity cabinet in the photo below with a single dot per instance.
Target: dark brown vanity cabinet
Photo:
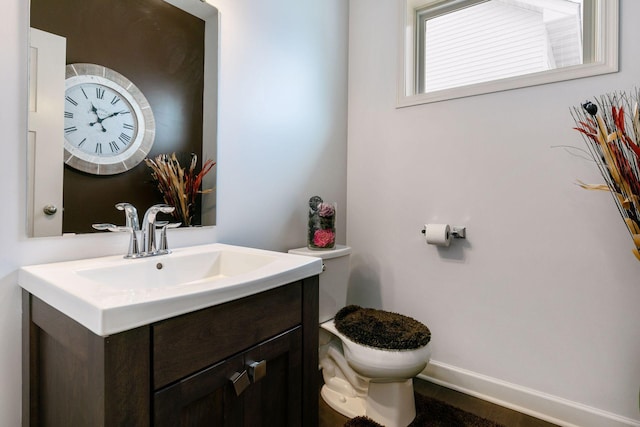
(208, 398)
(248, 362)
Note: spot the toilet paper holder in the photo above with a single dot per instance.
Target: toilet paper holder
(457, 231)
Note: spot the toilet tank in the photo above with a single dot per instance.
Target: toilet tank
(333, 280)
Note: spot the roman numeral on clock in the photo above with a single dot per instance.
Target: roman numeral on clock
(114, 146)
(68, 115)
(98, 148)
(70, 129)
(115, 100)
(124, 138)
(99, 93)
(71, 100)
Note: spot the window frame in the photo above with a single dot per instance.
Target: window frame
(602, 13)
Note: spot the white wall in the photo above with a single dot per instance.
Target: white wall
(283, 118)
(539, 305)
(282, 140)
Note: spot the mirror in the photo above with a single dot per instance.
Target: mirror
(168, 51)
(457, 48)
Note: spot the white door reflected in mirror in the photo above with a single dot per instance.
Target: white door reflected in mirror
(457, 48)
(46, 122)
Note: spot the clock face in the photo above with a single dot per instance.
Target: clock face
(108, 124)
(98, 121)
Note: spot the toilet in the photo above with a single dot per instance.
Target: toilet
(361, 380)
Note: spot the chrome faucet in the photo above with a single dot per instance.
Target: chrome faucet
(132, 225)
(149, 229)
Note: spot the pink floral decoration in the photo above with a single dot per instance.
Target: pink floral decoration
(326, 209)
(323, 238)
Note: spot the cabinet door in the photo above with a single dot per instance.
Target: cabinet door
(275, 400)
(203, 399)
(208, 398)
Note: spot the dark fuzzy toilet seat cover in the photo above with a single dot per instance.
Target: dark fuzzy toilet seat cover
(381, 329)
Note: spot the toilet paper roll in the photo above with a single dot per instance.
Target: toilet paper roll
(437, 234)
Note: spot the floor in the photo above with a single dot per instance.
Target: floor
(499, 414)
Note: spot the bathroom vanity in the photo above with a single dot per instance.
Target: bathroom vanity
(245, 360)
(177, 372)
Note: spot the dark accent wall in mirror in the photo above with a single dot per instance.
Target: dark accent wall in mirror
(161, 49)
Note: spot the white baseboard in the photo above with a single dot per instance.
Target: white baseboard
(550, 408)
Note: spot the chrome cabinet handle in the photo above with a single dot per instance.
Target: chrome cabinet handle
(257, 370)
(50, 210)
(240, 381)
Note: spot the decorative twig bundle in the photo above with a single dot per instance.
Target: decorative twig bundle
(179, 187)
(610, 127)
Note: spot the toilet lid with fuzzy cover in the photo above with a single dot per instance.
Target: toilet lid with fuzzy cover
(381, 329)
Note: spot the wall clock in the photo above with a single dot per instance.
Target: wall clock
(108, 124)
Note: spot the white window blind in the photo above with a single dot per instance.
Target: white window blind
(497, 39)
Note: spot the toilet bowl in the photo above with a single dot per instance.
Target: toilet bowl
(361, 380)
(379, 363)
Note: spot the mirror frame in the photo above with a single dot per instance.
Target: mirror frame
(606, 59)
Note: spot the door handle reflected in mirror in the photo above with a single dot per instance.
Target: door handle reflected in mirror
(50, 210)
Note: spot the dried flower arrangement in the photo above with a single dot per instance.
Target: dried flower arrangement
(179, 186)
(611, 130)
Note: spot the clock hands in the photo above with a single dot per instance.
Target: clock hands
(111, 115)
(99, 119)
(94, 110)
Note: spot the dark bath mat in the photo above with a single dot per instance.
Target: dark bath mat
(431, 412)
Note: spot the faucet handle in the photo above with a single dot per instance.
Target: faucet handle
(133, 241)
(164, 246)
(109, 227)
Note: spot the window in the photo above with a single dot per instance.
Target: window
(456, 48)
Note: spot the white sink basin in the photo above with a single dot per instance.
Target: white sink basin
(112, 294)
